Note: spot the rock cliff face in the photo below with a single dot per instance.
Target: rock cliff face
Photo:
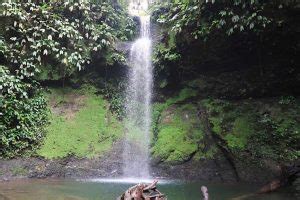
(108, 165)
(225, 136)
(186, 147)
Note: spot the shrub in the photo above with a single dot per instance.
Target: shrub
(23, 112)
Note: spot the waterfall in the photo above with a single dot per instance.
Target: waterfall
(138, 105)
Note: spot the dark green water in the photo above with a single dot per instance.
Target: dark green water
(107, 190)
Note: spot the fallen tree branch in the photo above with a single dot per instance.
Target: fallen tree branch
(151, 186)
(143, 192)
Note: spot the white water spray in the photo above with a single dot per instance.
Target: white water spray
(138, 105)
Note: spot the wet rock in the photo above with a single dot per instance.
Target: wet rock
(110, 165)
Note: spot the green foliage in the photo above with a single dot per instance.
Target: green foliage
(56, 39)
(23, 114)
(87, 131)
(114, 93)
(50, 41)
(281, 131)
(169, 55)
(164, 58)
(199, 36)
(201, 19)
(287, 100)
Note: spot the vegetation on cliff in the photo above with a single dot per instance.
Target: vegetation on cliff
(23, 114)
(44, 42)
(82, 120)
(233, 63)
(240, 60)
(259, 129)
(226, 36)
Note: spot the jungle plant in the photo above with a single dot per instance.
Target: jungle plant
(56, 39)
(23, 114)
(49, 41)
(206, 34)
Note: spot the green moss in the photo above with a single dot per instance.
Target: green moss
(242, 129)
(216, 124)
(178, 136)
(183, 95)
(158, 108)
(262, 128)
(88, 132)
(266, 128)
(19, 171)
(209, 154)
(173, 145)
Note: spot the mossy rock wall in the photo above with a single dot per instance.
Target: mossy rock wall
(81, 125)
(179, 134)
(260, 128)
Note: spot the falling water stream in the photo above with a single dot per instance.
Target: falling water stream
(138, 105)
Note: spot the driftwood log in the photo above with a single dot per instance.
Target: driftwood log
(143, 192)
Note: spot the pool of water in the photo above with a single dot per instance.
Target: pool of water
(110, 189)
